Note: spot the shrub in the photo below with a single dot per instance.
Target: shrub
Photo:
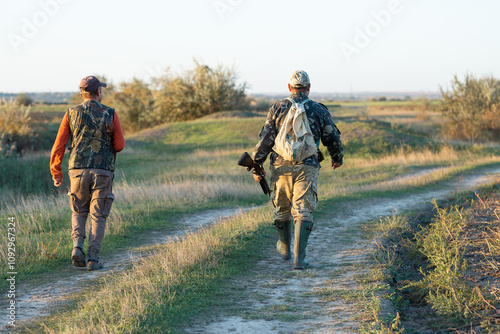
(16, 133)
(134, 103)
(197, 93)
(448, 292)
(472, 108)
(24, 99)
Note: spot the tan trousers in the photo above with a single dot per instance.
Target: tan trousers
(91, 192)
(294, 192)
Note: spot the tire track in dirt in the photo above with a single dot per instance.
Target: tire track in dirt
(277, 299)
(35, 301)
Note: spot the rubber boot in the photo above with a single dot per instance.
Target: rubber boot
(285, 236)
(302, 231)
(93, 262)
(78, 257)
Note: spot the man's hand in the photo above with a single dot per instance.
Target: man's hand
(58, 181)
(336, 165)
(257, 177)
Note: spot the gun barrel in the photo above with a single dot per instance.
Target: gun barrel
(265, 186)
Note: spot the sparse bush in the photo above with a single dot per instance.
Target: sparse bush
(16, 133)
(472, 108)
(197, 93)
(134, 103)
(423, 105)
(448, 293)
(24, 100)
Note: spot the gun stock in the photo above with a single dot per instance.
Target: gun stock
(247, 161)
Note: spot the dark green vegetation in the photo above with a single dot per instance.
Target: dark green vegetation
(441, 264)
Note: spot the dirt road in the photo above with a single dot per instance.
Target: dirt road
(322, 299)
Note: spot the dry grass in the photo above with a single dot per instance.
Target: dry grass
(44, 220)
(125, 300)
(459, 161)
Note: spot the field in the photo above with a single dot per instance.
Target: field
(226, 275)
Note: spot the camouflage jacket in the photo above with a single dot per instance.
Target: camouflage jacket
(91, 145)
(321, 124)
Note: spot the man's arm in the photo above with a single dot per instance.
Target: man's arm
(57, 153)
(267, 137)
(331, 139)
(117, 135)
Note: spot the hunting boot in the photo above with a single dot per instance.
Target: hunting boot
(78, 257)
(93, 262)
(285, 235)
(302, 231)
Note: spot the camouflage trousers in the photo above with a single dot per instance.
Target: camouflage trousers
(294, 192)
(91, 192)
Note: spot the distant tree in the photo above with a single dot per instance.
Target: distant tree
(472, 107)
(24, 99)
(382, 98)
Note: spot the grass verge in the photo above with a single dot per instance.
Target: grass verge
(441, 266)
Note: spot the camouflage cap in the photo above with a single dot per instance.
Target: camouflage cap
(299, 79)
(91, 84)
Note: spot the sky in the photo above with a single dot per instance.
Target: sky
(358, 45)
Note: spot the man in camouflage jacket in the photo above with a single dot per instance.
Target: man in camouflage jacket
(96, 136)
(294, 185)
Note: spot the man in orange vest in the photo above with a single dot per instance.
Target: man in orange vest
(96, 136)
